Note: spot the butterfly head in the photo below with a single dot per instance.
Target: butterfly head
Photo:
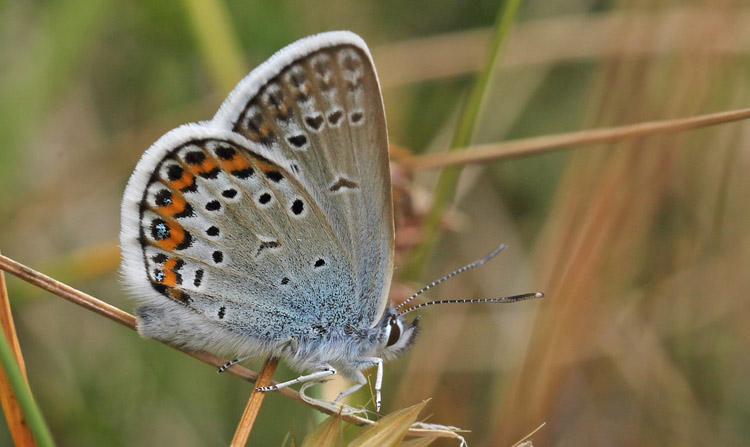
(396, 334)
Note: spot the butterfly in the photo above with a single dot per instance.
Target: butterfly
(268, 230)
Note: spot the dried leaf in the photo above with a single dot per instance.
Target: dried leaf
(327, 434)
(390, 430)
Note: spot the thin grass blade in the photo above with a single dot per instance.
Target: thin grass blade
(462, 137)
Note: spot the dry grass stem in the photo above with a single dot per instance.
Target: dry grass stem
(253, 404)
(65, 291)
(8, 327)
(536, 42)
(525, 438)
(14, 417)
(486, 153)
(113, 313)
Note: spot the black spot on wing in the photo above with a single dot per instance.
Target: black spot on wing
(225, 152)
(159, 230)
(351, 63)
(297, 140)
(335, 117)
(321, 67)
(274, 176)
(254, 122)
(264, 198)
(195, 157)
(163, 197)
(297, 207)
(174, 172)
(297, 79)
(243, 173)
(315, 122)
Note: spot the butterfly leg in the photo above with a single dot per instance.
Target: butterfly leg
(326, 371)
(361, 381)
(365, 363)
(226, 366)
(378, 382)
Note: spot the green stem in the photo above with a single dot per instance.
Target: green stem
(217, 41)
(467, 121)
(23, 396)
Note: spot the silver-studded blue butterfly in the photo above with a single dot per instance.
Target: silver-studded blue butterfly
(268, 230)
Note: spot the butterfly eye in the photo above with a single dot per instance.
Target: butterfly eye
(395, 333)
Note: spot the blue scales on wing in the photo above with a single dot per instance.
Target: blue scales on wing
(214, 226)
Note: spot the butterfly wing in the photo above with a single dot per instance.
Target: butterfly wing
(226, 249)
(317, 104)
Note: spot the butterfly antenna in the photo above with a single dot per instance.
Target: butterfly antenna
(454, 273)
(507, 299)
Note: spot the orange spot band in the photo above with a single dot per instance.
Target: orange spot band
(236, 163)
(176, 207)
(176, 237)
(185, 180)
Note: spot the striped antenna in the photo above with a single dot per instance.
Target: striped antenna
(454, 273)
(507, 299)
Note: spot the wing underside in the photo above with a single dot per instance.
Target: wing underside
(273, 220)
(318, 104)
(226, 231)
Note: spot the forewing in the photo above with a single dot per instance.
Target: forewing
(317, 104)
(217, 224)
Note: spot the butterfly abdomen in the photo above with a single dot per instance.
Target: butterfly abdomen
(342, 349)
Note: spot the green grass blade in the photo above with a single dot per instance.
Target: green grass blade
(23, 395)
(462, 136)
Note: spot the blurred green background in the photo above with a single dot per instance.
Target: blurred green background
(642, 247)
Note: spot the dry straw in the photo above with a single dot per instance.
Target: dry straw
(100, 307)
(14, 414)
